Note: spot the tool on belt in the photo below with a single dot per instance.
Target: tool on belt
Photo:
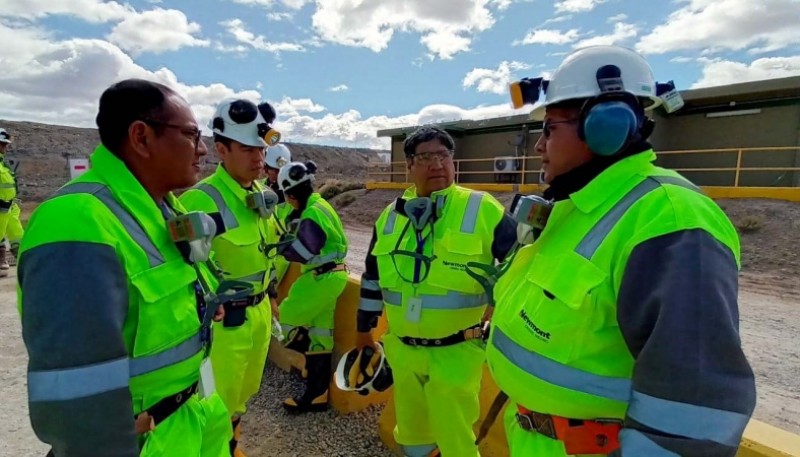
(580, 436)
(598, 436)
(236, 310)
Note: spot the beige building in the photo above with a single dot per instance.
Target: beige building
(759, 120)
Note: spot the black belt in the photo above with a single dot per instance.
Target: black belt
(327, 268)
(163, 409)
(252, 300)
(458, 337)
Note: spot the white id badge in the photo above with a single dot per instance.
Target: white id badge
(207, 386)
(414, 309)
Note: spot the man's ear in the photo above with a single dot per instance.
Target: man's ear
(222, 150)
(409, 162)
(140, 135)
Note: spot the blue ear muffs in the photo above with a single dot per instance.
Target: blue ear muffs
(608, 123)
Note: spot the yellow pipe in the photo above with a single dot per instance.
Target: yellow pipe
(778, 193)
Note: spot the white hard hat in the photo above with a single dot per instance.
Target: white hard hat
(239, 120)
(4, 136)
(277, 156)
(577, 77)
(364, 371)
(295, 173)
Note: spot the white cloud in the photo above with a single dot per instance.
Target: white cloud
(157, 30)
(89, 10)
(445, 44)
(339, 88)
(277, 17)
(37, 69)
(557, 19)
(549, 36)
(719, 72)
(622, 31)
(236, 28)
(617, 18)
(296, 4)
(446, 27)
(254, 2)
(726, 24)
(294, 106)
(681, 59)
(501, 4)
(351, 128)
(493, 81)
(293, 4)
(577, 6)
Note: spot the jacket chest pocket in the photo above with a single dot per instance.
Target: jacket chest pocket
(553, 305)
(453, 251)
(167, 307)
(387, 265)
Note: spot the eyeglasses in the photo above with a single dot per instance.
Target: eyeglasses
(427, 158)
(547, 124)
(195, 133)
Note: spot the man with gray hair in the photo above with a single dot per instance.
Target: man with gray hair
(416, 269)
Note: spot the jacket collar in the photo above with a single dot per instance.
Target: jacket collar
(222, 175)
(130, 193)
(611, 181)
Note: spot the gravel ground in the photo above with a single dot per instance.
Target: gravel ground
(268, 430)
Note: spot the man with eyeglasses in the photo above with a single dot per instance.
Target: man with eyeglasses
(616, 331)
(116, 310)
(416, 269)
(241, 342)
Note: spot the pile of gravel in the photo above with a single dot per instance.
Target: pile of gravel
(268, 430)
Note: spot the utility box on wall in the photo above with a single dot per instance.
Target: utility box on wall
(77, 166)
(506, 169)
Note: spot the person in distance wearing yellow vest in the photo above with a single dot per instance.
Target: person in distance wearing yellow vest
(10, 226)
(416, 268)
(115, 314)
(616, 331)
(241, 342)
(319, 244)
(276, 157)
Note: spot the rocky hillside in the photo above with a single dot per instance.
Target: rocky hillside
(42, 152)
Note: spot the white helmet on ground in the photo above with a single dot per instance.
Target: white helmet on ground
(4, 136)
(294, 173)
(364, 371)
(239, 120)
(277, 156)
(579, 77)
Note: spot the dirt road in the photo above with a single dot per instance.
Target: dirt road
(770, 323)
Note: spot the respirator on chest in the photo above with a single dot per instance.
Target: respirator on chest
(263, 202)
(192, 233)
(531, 213)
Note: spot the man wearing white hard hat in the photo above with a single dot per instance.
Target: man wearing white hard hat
(616, 329)
(10, 226)
(240, 344)
(319, 244)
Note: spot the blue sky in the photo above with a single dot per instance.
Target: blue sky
(338, 70)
